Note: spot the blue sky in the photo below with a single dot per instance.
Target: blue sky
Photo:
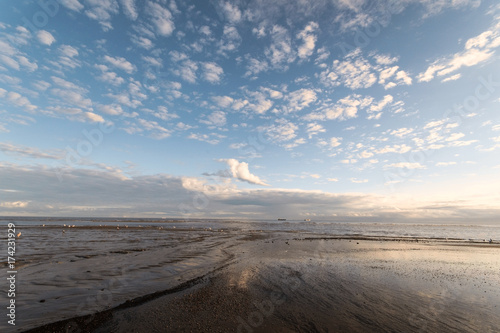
(328, 109)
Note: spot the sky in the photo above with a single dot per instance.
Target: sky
(343, 110)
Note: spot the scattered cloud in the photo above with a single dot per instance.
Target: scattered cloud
(477, 50)
(301, 99)
(358, 181)
(29, 151)
(45, 37)
(121, 63)
(405, 165)
(14, 204)
(74, 5)
(102, 11)
(335, 142)
(160, 17)
(239, 170)
(281, 131)
(308, 39)
(130, 9)
(216, 118)
(212, 72)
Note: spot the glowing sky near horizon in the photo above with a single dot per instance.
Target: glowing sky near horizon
(331, 109)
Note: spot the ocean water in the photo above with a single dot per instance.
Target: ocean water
(472, 231)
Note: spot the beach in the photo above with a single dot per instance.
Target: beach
(214, 280)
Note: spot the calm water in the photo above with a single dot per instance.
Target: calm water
(457, 231)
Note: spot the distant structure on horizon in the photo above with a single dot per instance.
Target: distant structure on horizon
(307, 220)
(281, 219)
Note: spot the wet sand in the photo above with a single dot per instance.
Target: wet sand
(283, 282)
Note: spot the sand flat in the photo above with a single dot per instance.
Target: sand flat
(277, 282)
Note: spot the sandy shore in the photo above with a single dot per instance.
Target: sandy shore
(287, 283)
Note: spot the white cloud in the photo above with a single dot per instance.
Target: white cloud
(405, 165)
(142, 41)
(67, 57)
(433, 124)
(211, 138)
(164, 114)
(365, 154)
(455, 136)
(230, 41)
(17, 99)
(41, 85)
(384, 59)
(300, 99)
(161, 18)
(355, 72)
(398, 149)
(237, 145)
(124, 99)
(111, 109)
(72, 97)
(445, 163)
(294, 143)
(402, 132)
(156, 62)
(232, 12)
(68, 85)
(335, 142)
(187, 70)
(216, 118)
(223, 101)
(30, 66)
(452, 78)
(240, 171)
(130, 9)
(378, 107)
(74, 5)
(212, 72)
(7, 49)
(256, 66)
(102, 11)
(14, 204)
(260, 104)
(205, 30)
(30, 151)
(314, 129)
(156, 131)
(273, 93)
(9, 61)
(359, 181)
(477, 50)
(121, 63)
(404, 77)
(387, 73)
(45, 37)
(111, 78)
(93, 117)
(333, 179)
(68, 51)
(343, 109)
(282, 131)
(280, 53)
(309, 40)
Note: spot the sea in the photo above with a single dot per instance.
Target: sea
(462, 231)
